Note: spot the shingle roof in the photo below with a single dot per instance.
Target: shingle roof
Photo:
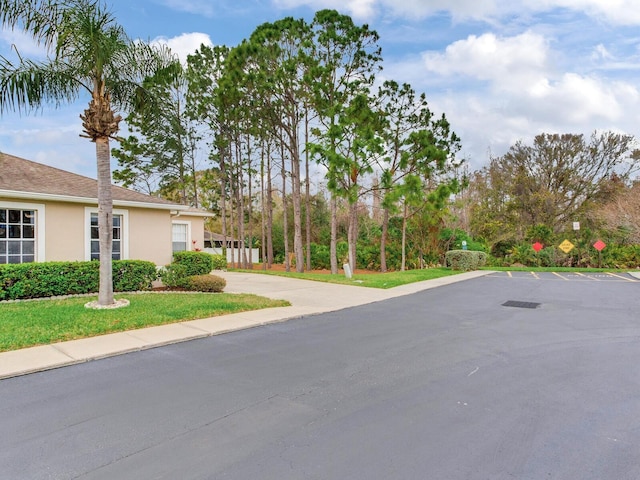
(20, 175)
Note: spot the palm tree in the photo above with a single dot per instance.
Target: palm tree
(88, 52)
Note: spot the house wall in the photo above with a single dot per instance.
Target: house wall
(63, 232)
(65, 237)
(150, 235)
(197, 231)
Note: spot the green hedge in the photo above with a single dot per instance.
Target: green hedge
(196, 263)
(465, 259)
(48, 279)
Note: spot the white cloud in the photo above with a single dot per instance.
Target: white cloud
(24, 43)
(620, 12)
(363, 10)
(513, 62)
(496, 90)
(460, 9)
(185, 44)
(198, 7)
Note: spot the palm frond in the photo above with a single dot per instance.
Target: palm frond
(38, 18)
(27, 85)
(131, 68)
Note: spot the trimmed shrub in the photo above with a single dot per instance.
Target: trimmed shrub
(49, 279)
(219, 262)
(133, 275)
(465, 259)
(196, 263)
(206, 283)
(174, 276)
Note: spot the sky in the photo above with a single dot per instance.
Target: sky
(500, 70)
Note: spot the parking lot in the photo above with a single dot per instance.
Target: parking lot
(568, 276)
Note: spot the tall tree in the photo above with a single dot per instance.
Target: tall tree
(346, 59)
(211, 98)
(89, 52)
(277, 58)
(164, 144)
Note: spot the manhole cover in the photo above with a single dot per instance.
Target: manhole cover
(518, 304)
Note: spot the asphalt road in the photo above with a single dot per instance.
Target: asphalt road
(443, 384)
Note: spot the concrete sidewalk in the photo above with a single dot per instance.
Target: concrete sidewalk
(306, 298)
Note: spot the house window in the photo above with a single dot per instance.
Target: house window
(17, 235)
(180, 236)
(116, 253)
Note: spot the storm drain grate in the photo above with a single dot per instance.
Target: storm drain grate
(518, 304)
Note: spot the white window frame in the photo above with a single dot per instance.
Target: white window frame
(188, 224)
(124, 241)
(40, 224)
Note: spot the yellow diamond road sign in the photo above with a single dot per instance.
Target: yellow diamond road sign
(566, 246)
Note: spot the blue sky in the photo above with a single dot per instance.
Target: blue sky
(501, 70)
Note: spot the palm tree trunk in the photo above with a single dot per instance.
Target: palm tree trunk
(105, 220)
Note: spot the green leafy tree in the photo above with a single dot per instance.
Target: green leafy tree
(554, 181)
(89, 53)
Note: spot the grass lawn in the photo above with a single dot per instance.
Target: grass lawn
(372, 280)
(25, 324)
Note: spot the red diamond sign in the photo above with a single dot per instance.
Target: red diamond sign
(537, 246)
(599, 245)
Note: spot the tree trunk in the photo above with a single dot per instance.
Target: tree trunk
(285, 220)
(334, 235)
(383, 241)
(105, 221)
(297, 207)
(250, 212)
(404, 238)
(353, 234)
(263, 230)
(269, 210)
(223, 201)
(242, 253)
(307, 185)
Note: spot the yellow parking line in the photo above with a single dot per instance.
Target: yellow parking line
(620, 276)
(535, 275)
(509, 273)
(558, 275)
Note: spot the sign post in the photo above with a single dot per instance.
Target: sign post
(599, 246)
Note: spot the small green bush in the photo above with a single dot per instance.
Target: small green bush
(465, 259)
(174, 276)
(133, 275)
(219, 262)
(206, 283)
(196, 263)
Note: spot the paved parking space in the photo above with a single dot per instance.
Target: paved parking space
(568, 276)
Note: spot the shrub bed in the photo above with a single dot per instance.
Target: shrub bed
(48, 279)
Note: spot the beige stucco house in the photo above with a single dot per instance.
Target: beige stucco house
(48, 214)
